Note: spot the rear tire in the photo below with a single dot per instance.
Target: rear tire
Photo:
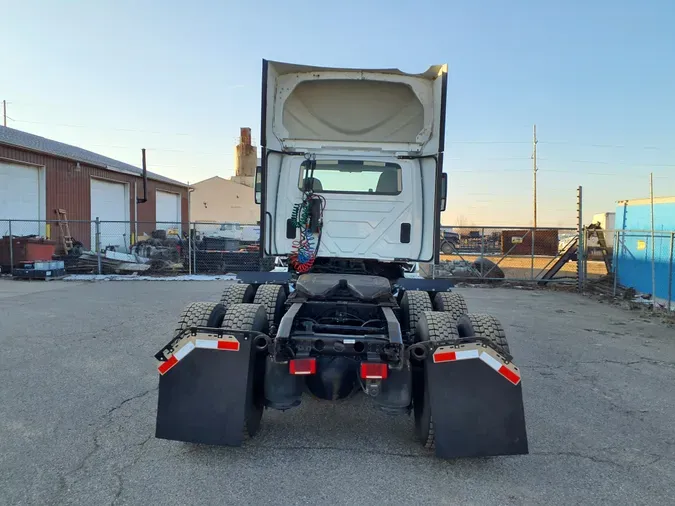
(447, 248)
(413, 304)
(483, 325)
(200, 314)
(237, 294)
(251, 317)
(488, 269)
(452, 303)
(272, 298)
(434, 327)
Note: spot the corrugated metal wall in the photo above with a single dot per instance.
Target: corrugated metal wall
(633, 262)
(68, 187)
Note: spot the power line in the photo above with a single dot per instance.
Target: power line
(101, 128)
(613, 146)
(514, 158)
(487, 142)
(547, 171)
(620, 162)
(213, 153)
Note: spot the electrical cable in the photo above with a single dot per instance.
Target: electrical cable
(304, 252)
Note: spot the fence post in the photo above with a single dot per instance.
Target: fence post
(670, 270)
(189, 257)
(194, 248)
(97, 240)
(581, 254)
(653, 240)
(482, 243)
(11, 249)
(616, 254)
(532, 259)
(580, 240)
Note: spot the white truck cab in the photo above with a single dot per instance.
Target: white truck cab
(351, 191)
(369, 143)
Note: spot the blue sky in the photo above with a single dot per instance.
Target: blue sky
(180, 78)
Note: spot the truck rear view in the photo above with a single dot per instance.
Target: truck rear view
(351, 191)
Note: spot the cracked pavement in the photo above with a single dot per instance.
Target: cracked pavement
(79, 391)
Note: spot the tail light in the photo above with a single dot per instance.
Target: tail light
(302, 366)
(373, 370)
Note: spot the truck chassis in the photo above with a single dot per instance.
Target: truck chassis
(412, 352)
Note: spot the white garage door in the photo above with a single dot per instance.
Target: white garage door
(110, 203)
(21, 198)
(168, 210)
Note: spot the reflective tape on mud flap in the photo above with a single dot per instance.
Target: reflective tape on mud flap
(228, 343)
(209, 342)
(471, 351)
(448, 354)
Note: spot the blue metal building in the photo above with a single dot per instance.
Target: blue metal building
(633, 256)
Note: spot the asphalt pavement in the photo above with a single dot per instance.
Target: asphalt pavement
(78, 387)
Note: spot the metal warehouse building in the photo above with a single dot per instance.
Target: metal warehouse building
(633, 262)
(39, 176)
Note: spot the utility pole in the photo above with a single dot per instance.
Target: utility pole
(534, 172)
(651, 203)
(4, 112)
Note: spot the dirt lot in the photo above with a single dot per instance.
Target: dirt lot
(79, 393)
(522, 267)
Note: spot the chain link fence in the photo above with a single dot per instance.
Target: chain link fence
(615, 260)
(497, 254)
(122, 247)
(636, 265)
(475, 254)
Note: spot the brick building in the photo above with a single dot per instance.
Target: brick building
(39, 176)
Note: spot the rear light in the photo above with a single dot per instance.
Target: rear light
(373, 370)
(302, 366)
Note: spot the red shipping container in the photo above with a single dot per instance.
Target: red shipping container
(519, 242)
(26, 249)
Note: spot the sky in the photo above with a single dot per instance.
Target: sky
(181, 78)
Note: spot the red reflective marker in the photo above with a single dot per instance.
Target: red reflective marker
(302, 366)
(374, 370)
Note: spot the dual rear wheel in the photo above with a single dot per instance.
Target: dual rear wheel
(271, 297)
(240, 316)
(443, 318)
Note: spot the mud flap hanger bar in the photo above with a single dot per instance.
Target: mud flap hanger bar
(262, 341)
(473, 351)
(420, 351)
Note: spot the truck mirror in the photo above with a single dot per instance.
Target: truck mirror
(258, 185)
(444, 190)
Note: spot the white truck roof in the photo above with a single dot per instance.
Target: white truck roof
(341, 109)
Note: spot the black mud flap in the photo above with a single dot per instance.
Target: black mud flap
(476, 411)
(203, 397)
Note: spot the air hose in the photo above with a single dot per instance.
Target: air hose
(304, 251)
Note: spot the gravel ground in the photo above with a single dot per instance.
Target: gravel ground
(79, 392)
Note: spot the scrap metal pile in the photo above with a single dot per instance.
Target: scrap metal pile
(150, 254)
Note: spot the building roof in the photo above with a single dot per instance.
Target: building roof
(218, 179)
(647, 201)
(20, 139)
